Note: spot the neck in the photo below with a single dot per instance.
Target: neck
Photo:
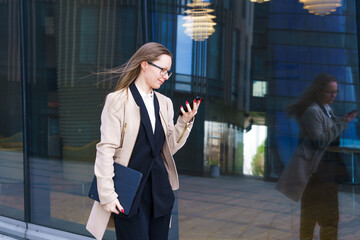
(140, 83)
(322, 103)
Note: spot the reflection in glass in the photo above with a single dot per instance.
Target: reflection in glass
(11, 133)
(254, 156)
(76, 39)
(223, 148)
(259, 88)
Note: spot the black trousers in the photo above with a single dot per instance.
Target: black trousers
(319, 204)
(143, 226)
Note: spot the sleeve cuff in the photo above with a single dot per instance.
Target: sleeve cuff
(184, 124)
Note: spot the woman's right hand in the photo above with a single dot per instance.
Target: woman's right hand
(348, 117)
(111, 207)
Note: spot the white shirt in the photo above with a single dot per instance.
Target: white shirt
(328, 110)
(149, 104)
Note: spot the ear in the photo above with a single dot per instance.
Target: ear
(143, 65)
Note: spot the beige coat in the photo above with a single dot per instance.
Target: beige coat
(317, 131)
(120, 123)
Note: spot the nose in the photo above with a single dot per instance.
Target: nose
(166, 76)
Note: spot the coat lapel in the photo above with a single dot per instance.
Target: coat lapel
(132, 119)
(162, 113)
(159, 130)
(145, 120)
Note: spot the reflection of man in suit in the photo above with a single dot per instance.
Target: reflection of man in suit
(312, 172)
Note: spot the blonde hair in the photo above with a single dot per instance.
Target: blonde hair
(128, 72)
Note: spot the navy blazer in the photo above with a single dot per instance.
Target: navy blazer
(146, 158)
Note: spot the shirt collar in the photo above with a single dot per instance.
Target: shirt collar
(327, 108)
(143, 94)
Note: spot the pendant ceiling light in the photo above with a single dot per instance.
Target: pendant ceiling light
(199, 23)
(259, 1)
(321, 7)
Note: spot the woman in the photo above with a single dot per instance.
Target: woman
(313, 170)
(137, 131)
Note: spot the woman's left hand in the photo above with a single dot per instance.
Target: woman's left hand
(190, 114)
(348, 117)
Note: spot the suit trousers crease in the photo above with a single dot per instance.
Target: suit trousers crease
(143, 225)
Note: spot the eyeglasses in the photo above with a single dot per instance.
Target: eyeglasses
(331, 92)
(163, 71)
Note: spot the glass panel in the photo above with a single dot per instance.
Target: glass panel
(68, 40)
(254, 156)
(184, 46)
(222, 149)
(183, 55)
(11, 131)
(259, 88)
(297, 47)
(65, 41)
(297, 56)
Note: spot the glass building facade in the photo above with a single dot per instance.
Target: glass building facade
(260, 58)
(290, 48)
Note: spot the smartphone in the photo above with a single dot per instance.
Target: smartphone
(198, 98)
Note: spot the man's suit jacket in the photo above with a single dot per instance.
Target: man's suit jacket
(317, 131)
(120, 123)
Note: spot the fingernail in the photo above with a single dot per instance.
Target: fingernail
(122, 210)
(200, 100)
(186, 102)
(181, 106)
(194, 100)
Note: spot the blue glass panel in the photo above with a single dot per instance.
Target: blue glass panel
(339, 72)
(282, 87)
(279, 53)
(292, 53)
(307, 72)
(286, 139)
(323, 56)
(282, 126)
(351, 131)
(315, 53)
(154, 30)
(302, 74)
(280, 70)
(214, 54)
(88, 35)
(349, 92)
(330, 23)
(183, 49)
(349, 76)
(341, 95)
(275, 21)
(182, 87)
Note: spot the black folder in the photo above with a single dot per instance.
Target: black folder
(126, 183)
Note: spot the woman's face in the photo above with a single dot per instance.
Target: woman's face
(153, 77)
(329, 93)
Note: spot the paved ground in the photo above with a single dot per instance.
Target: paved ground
(229, 208)
(250, 209)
